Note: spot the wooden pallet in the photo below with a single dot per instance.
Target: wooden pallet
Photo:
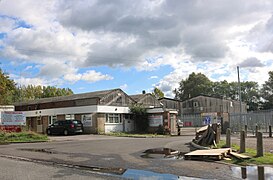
(211, 154)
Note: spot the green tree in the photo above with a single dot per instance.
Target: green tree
(267, 92)
(7, 88)
(249, 92)
(157, 93)
(140, 117)
(192, 86)
(250, 95)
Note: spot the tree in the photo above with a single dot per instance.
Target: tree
(250, 95)
(7, 88)
(157, 93)
(249, 92)
(140, 117)
(32, 92)
(267, 92)
(192, 86)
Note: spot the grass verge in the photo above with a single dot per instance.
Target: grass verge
(25, 136)
(267, 159)
(122, 134)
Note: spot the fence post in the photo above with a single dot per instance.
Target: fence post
(270, 131)
(228, 138)
(256, 130)
(260, 144)
(242, 142)
(246, 129)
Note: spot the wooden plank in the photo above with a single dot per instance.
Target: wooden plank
(239, 156)
(217, 154)
(209, 152)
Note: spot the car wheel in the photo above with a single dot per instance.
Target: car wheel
(48, 132)
(65, 132)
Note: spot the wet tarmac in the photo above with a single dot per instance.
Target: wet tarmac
(253, 172)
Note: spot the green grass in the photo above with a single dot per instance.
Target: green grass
(266, 159)
(25, 136)
(123, 134)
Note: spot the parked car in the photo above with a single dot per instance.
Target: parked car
(65, 127)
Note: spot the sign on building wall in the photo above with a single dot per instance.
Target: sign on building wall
(12, 118)
(155, 120)
(87, 120)
(210, 118)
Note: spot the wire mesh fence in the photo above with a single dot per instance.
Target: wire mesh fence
(262, 119)
(237, 122)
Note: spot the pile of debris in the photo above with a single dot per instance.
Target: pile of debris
(207, 136)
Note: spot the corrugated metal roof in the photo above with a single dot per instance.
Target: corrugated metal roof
(95, 94)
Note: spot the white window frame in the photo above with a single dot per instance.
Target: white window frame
(69, 117)
(113, 118)
(52, 119)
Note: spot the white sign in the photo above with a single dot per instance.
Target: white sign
(87, 120)
(155, 120)
(12, 118)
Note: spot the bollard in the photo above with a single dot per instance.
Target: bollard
(244, 173)
(256, 130)
(242, 142)
(260, 149)
(270, 131)
(261, 173)
(246, 130)
(228, 138)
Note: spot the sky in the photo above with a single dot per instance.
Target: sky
(92, 45)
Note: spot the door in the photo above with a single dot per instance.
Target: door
(129, 123)
(173, 124)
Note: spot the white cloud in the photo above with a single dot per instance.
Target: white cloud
(212, 37)
(89, 76)
(153, 77)
(123, 87)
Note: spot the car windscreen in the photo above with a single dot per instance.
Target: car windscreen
(76, 122)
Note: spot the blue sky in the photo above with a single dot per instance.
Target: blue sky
(91, 45)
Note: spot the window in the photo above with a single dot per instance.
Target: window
(87, 119)
(195, 104)
(52, 119)
(69, 117)
(113, 118)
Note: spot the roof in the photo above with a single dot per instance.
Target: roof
(212, 96)
(137, 97)
(171, 99)
(95, 94)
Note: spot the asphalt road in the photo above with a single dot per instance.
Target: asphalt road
(114, 152)
(21, 170)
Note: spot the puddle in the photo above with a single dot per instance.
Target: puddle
(135, 174)
(48, 151)
(253, 172)
(159, 153)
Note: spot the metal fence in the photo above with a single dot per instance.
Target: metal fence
(192, 120)
(237, 121)
(262, 119)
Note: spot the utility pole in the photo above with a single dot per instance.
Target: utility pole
(240, 96)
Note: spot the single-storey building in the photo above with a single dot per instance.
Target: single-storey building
(100, 112)
(158, 114)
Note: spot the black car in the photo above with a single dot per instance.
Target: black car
(65, 127)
